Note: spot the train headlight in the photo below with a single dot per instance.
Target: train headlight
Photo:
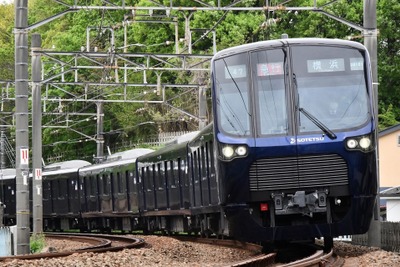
(352, 143)
(231, 151)
(364, 143)
(241, 151)
(228, 152)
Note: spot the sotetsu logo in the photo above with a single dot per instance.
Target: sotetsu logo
(306, 139)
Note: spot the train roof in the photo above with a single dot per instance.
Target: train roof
(285, 42)
(119, 158)
(129, 154)
(183, 138)
(176, 147)
(65, 166)
(7, 173)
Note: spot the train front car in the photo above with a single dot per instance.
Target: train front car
(295, 127)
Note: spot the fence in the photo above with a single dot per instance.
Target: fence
(6, 247)
(390, 237)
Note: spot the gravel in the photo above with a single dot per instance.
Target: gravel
(360, 256)
(158, 251)
(167, 251)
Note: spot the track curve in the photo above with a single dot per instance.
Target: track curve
(98, 243)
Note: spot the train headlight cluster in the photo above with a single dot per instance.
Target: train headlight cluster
(363, 143)
(229, 152)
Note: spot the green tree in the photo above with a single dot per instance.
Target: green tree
(388, 14)
(6, 42)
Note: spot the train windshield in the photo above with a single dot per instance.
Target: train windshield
(319, 88)
(331, 86)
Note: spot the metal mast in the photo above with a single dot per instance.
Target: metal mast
(37, 196)
(371, 43)
(22, 122)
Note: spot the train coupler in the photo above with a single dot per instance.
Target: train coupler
(300, 203)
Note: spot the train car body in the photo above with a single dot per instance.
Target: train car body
(178, 187)
(295, 138)
(8, 195)
(109, 194)
(61, 195)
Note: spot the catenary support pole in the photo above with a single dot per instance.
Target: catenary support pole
(22, 123)
(100, 134)
(370, 42)
(37, 197)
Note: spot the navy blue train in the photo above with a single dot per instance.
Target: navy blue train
(290, 155)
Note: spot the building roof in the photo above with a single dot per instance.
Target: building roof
(390, 130)
(391, 191)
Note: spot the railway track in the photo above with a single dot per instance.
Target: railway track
(96, 244)
(318, 258)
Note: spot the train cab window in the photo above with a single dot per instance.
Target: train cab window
(268, 70)
(233, 107)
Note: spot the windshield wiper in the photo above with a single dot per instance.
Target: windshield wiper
(320, 125)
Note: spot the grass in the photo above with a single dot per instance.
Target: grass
(37, 243)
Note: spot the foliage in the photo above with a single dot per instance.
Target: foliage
(37, 243)
(134, 122)
(6, 42)
(389, 57)
(387, 117)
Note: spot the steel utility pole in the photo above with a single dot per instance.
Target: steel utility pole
(371, 43)
(22, 123)
(2, 151)
(37, 197)
(100, 135)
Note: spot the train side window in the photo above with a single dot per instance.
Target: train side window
(211, 158)
(98, 181)
(203, 163)
(87, 185)
(398, 140)
(148, 178)
(46, 190)
(195, 167)
(93, 186)
(160, 172)
(119, 182)
(142, 178)
(61, 188)
(129, 178)
(171, 174)
(183, 173)
(106, 185)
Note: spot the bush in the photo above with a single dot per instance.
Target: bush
(37, 243)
